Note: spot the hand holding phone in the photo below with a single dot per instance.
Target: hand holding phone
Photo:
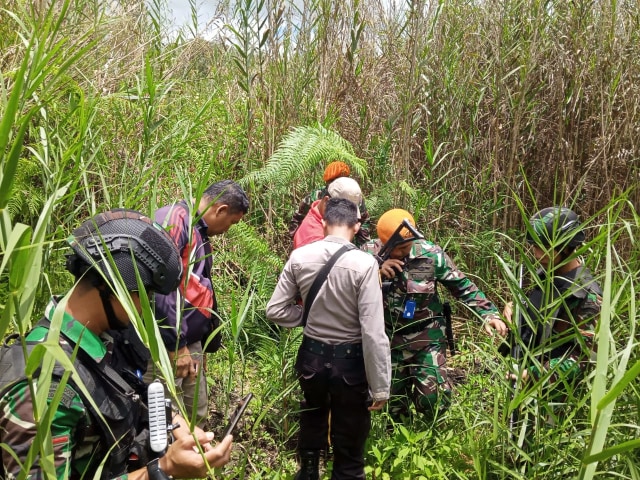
(236, 415)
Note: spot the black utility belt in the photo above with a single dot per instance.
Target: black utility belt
(415, 327)
(347, 350)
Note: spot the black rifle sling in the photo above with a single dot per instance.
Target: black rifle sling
(320, 279)
(448, 326)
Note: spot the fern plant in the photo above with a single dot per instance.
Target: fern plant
(249, 247)
(299, 153)
(27, 199)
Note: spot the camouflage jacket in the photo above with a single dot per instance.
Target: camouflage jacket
(427, 266)
(80, 440)
(561, 319)
(363, 234)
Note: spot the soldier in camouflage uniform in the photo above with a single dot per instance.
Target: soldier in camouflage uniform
(334, 170)
(562, 306)
(102, 434)
(414, 315)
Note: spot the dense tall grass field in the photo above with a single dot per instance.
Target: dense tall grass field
(470, 114)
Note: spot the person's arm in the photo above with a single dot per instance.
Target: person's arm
(462, 288)
(19, 431)
(282, 308)
(375, 343)
(364, 233)
(586, 314)
(298, 216)
(176, 221)
(167, 306)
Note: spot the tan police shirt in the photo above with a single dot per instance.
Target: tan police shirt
(347, 309)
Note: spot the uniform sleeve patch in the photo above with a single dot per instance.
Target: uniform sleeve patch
(68, 395)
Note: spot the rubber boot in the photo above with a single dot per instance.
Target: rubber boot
(309, 464)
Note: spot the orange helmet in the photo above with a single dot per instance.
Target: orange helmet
(390, 221)
(335, 170)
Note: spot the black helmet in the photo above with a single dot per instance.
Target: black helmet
(127, 234)
(556, 227)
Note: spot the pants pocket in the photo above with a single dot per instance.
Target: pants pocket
(308, 365)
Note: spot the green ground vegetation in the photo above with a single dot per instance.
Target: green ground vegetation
(471, 114)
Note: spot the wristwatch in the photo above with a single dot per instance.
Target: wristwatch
(155, 472)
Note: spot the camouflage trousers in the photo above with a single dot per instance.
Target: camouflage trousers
(419, 374)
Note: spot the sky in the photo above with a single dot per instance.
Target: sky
(180, 12)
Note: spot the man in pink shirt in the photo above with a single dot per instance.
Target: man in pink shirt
(311, 229)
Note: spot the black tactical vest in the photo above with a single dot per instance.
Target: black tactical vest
(118, 403)
(573, 289)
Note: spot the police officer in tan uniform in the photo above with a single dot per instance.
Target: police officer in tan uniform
(344, 361)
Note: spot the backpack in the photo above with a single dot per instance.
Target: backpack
(195, 293)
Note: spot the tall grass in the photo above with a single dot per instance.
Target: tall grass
(35, 85)
(469, 114)
(589, 429)
(613, 376)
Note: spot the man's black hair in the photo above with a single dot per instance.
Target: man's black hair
(229, 193)
(340, 211)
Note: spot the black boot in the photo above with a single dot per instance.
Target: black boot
(309, 462)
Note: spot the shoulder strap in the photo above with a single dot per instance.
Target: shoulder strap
(107, 372)
(320, 279)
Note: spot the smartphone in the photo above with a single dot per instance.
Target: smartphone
(236, 415)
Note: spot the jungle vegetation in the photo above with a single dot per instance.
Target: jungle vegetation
(471, 114)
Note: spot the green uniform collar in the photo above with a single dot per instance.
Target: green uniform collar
(83, 337)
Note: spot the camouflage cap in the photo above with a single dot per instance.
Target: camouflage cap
(556, 227)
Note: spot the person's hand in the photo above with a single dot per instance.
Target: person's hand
(524, 375)
(196, 363)
(494, 323)
(377, 405)
(183, 459)
(185, 365)
(184, 429)
(390, 266)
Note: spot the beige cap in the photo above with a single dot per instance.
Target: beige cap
(345, 187)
